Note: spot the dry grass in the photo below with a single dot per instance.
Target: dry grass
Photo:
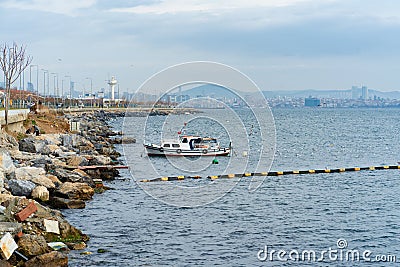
(49, 122)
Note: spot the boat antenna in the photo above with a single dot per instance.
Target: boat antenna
(183, 130)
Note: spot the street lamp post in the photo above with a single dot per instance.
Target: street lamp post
(44, 83)
(55, 87)
(91, 91)
(37, 79)
(62, 89)
(68, 76)
(30, 73)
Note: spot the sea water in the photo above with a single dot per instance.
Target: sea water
(334, 215)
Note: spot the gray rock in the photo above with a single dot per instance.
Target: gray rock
(77, 161)
(74, 141)
(41, 161)
(69, 176)
(43, 181)
(27, 145)
(28, 173)
(100, 160)
(98, 146)
(80, 191)
(63, 203)
(51, 259)
(1, 180)
(11, 227)
(6, 163)
(32, 145)
(51, 139)
(7, 141)
(21, 187)
(32, 245)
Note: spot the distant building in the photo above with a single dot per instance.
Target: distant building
(31, 88)
(364, 93)
(355, 92)
(359, 93)
(172, 98)
(312, 102)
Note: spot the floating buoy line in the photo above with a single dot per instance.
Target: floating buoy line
(273, 173)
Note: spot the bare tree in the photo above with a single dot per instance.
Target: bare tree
(13, 62)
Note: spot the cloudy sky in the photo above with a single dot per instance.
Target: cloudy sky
(280, 44)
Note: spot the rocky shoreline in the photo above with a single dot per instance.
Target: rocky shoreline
(40, 175)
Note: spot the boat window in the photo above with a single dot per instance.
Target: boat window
(198, 140)
(185, 140)
(175, 145)
(209, 141)
(166, 145)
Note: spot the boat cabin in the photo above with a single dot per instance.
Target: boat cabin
(188, 142)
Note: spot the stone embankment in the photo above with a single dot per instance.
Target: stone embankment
(40, 175)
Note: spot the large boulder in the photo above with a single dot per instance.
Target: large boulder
(51, 259)
(21, 187)
(23, 156)
(30, 144)
(4, 263)
(100, 160)
(44, 181)
(74, 141)
(63, 203)
(75, 191)
(54, 179)
(32, 245)
(53, 149)
(69, 176)
(27, 173)
(6, 163)
(27, 145)
(77, 161)
(52, 139)
(43, 144)
(35, 175)
(40, 161)
(8, 141)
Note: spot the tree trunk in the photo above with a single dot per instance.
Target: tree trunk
(7, 100)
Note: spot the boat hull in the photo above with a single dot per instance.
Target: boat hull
(155, 150)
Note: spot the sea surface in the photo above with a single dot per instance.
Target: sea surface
(232, 222)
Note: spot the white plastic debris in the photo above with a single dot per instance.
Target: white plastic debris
(51, 226)
(7, 245)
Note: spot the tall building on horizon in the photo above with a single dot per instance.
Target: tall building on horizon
(359, 93)
(364, 93)
(355, 92)
(31, 88)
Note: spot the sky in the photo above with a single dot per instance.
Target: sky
(279, 44)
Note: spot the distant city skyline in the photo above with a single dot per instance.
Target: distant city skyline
(280, 44)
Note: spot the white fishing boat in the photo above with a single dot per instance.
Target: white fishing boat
(188, 145)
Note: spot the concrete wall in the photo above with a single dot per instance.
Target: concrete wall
(15, 122)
